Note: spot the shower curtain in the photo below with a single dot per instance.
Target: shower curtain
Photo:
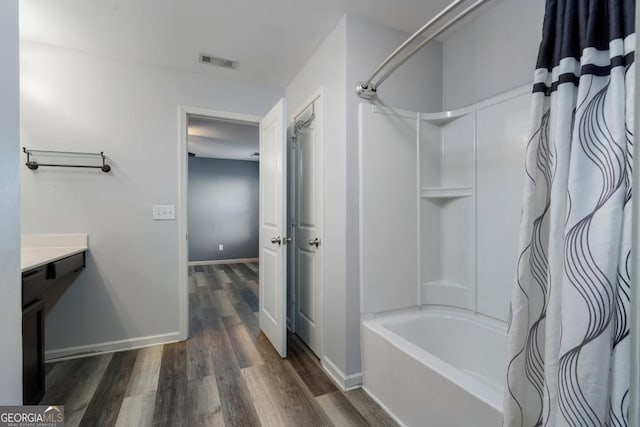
(569, 344)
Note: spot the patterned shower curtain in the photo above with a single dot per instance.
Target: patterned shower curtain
(569, 344)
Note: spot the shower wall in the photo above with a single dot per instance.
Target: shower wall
(440, 205)
(502, 131)
(388, 209)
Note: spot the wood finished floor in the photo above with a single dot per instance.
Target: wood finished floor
(225, 374)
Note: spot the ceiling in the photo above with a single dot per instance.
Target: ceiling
(222, 139)
(271, 39)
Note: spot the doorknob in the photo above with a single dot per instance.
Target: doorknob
(286, 240)
(314, 242)
(277, 240)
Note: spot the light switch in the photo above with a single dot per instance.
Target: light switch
(221, 247)
(164, 212)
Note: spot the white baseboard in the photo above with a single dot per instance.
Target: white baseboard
(109, 347)
(223, 261)
(383, 406)
(345, 382)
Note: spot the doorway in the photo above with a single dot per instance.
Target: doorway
(209, 142)
(222, 191)
(283, 239)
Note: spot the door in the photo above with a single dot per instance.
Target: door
(307, 223)
(273, 241)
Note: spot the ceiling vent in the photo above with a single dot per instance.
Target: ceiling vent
(217, 61)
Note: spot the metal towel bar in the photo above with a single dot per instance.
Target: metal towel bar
(33, 165)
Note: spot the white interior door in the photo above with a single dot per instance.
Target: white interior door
(273, 157)
(308, 226)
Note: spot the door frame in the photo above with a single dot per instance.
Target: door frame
(184, 111)
(317, 95)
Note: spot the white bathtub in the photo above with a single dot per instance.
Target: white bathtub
(436, 367)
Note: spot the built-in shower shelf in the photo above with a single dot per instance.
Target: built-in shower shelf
(445, 192)
(444, 117)
(444, 283)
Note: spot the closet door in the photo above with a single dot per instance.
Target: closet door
(273, 261)
(308, 220)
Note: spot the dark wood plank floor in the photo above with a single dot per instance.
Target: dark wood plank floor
(225, 374)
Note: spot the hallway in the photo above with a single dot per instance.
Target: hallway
(225, 374)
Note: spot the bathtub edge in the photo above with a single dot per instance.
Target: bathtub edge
(443, 368)
(383, 406)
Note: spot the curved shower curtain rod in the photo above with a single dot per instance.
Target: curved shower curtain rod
(367, 89)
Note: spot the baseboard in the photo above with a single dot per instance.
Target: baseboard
(223, 261)
(383, 406)
(109, 347)
(345, 382)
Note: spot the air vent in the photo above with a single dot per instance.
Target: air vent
(217, 61)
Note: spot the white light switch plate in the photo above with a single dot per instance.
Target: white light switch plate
(164, 212)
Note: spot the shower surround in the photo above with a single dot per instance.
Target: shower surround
(435, 296)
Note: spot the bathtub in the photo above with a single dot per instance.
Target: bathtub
(436, 367)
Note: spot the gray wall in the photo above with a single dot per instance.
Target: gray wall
(223, 208)
(10, 326)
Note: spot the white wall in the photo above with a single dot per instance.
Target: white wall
(494, 53)
(327, 69)
(74, 101)
(416, 86)
(10, 280)
(348, 54)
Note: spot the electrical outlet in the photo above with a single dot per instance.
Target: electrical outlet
(221, 247)
(164, 212)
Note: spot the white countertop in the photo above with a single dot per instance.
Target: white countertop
(41, 249)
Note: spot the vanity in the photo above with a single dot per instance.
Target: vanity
(46, 259)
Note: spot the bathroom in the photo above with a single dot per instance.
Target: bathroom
(449, 128)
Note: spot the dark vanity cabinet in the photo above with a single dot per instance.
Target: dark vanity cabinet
(33, 353)
(35, 283)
